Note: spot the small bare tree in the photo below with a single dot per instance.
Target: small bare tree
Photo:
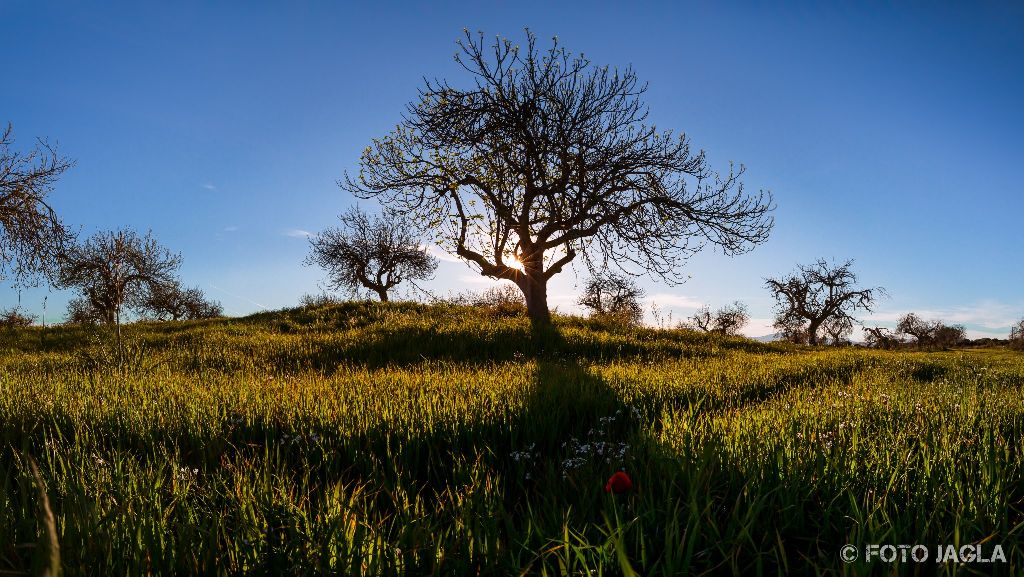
(542, 158)
(817, 293)
(113, 270)
(728, 320)
(16, 317)
(31, 236)
(82, 312)
(376, 253)
(1017, 336)
(792, 329)
(881, 338)
(930, 334)
(173, 302)
(612, 296)
(702, 320)
(923, 331)
(838, 330)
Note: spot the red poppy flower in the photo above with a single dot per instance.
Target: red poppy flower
(619, 483)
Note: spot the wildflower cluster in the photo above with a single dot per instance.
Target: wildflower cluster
(595, 447)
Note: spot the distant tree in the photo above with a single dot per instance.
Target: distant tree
(543, 159)
(930, 334)
(881, 338)
(32, 237)
(613, 296)
(114, 270)
(728, 320)
(912, 325)
(376, 253)
(815, 294)
(838, 330)
(82, 312)
(173, 302)
(16, 317)
(792, 329)
(947, 336)
(1017, 336)
(701, 320)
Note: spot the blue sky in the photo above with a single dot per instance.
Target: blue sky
(888, 133)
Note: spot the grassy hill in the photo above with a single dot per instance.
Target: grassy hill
(400, 438)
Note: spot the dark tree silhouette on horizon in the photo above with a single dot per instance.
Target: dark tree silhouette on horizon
(930, 334)
(174, 302)
(613, 296)
(818, 294)
(376, 253)
(116, 269)
(543, 158)
(32, 237)
(728, 320)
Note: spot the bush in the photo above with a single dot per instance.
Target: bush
(503, 300)
(317, 301)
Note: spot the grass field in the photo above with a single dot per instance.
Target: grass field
(407, 439)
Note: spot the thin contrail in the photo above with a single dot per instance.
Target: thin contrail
(238, 297)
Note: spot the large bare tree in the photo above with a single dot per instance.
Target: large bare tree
(32, 237)
(543, 158)
(376, 253)
(113, 270)
(818, 294)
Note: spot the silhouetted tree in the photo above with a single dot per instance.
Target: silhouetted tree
(545, 158)
(113, 270)
(881, 338)
(612, 296)
(930, 334)
(16, 317)
(376, 253)
(792, 329)
(173, 302)
(31, 236)
(1017, 336)
(912, 325)
(82, 312)
(728, 320)
(701, 320)
(947, 336)
(818, 293)
(838, 330)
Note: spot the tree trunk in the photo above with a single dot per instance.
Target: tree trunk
(812, 333)
(536, 294)
(383, 294)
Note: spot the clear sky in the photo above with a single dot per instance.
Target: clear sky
(889, 133)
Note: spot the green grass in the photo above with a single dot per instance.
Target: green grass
(408, 439)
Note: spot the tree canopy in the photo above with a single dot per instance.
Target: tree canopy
(117, 269)
(376, 253)
(544, 158)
